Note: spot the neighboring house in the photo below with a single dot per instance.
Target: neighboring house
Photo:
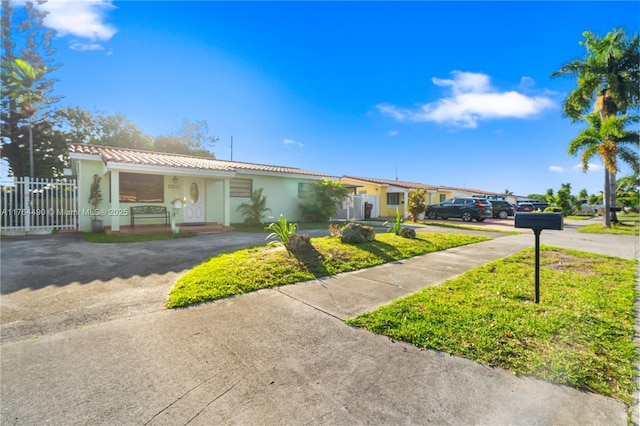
(210, 190)
(390, 196)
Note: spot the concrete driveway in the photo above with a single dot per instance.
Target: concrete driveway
(56, 283)
(279, 356)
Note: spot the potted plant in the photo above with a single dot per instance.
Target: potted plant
(95, 198)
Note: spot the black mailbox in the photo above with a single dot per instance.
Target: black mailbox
(539, 221)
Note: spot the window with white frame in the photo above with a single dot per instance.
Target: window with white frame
(393, 198)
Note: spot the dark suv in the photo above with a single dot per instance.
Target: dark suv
(502, 209)
(465, 208)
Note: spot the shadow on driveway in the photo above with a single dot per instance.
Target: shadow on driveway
(40, 261)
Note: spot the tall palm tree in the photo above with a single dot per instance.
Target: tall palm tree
(610, 140)
(608, 79)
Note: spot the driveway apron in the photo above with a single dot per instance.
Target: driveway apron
(279, 356)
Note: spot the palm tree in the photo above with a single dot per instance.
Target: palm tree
(609, 76)
(609, 140)
(255, 209)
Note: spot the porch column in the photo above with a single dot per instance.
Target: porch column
(406, 203)
(115, 200)
(226, 203)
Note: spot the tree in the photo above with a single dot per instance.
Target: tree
(609, 76)
(507, 192)
(321, 202)
(628, 191)
(564, 200)
(609, 140)
(100, 128)
(191, 139)
(417, 204)
(583, 194)
(254, 210)
(26, 90)
(550, 197)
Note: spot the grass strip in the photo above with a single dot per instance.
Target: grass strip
(270, 266)
(581, 333)
(472, 228)
(621, 228)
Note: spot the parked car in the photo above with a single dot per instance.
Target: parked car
(465, 208)
(502, 209)
(529, 207)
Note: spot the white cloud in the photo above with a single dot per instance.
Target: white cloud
(472, 99)
(592, 167)
(292, 142)
(81, 47)
(392, 133)
(81, 19)
(556, 169)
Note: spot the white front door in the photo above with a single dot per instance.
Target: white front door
(194, 194)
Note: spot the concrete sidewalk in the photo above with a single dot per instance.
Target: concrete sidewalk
(284, 356)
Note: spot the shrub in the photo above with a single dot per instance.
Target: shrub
(417, 204)
(321, 202)
(282, 230)
(554, 209)
(396, 226)
(255, 209)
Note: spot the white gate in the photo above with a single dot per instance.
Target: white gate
(39, 205)
(353, 207)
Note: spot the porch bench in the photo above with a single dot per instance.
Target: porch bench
(148, 212)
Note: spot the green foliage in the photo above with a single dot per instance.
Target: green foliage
(563, 199)
(27, 92)
(322, 200)
(417, 203)
(622, 228)
(282, 229)
(255, 209)
(396, 226)
(628, 191)
(554, 209)
(95, 195)
(262, 267)
(191, 139)
(581, 334)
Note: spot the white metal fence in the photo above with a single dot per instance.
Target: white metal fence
(32, 205)
(353, 207)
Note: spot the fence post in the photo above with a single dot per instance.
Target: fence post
(26, 199)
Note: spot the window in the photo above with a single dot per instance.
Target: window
(443, 197)
(241, 187)
(138, 188)
(304, 189)
(393, 198)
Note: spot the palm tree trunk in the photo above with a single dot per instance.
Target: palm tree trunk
(612, 197)
(606, 201)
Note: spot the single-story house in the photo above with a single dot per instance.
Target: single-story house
(194, 190)
(389, 196)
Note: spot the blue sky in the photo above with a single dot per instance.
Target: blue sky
(443, 93)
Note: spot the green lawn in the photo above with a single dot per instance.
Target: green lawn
(470, 227)
(269, 266)
(623, 227)
(581, 334)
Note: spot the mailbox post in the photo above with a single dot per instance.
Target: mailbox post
(537, 222)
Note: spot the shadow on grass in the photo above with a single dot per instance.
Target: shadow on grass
(385, 251)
